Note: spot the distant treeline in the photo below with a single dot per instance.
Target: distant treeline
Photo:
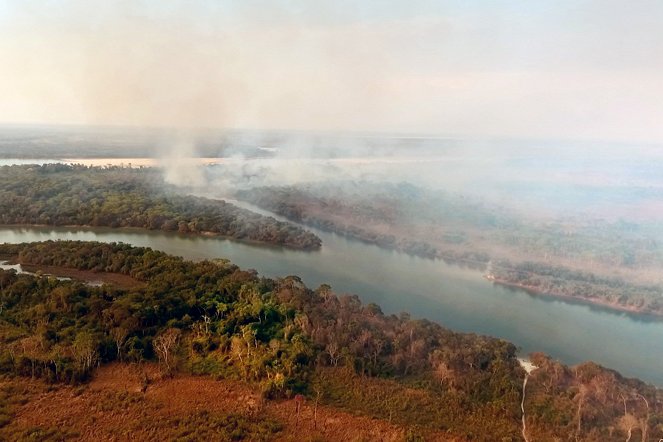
(432, 223)
(213, 318)
(42, 142)
(61, 195)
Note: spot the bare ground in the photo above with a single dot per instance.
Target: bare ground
(116, 279)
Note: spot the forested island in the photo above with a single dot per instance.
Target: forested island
(74, 195)
(296, 354)
(614, 264)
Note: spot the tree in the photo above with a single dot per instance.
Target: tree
(164, 346)
(119, 335)
(85, 351)
(334, 352)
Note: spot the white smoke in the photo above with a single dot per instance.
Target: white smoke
(178, 157)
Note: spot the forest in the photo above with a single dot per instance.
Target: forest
(612, 263)
(78, 142)
(561, 281)
(213, 319)
(64, 195)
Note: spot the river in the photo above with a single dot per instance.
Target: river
(456, 297)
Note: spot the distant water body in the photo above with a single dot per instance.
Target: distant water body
(23, 161)
(456, 297)
(101, 162)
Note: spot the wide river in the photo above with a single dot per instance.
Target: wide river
(456, 297)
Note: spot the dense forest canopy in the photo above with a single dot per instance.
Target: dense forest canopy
(212, 318)
(60, 195)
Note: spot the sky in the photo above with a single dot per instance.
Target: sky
(484, 68)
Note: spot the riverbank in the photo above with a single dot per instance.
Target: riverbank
(201, 234)
(580, 299)
(478, 261)
(455, 296)
(119, 197)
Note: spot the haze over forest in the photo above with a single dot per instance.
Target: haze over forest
(266, 219)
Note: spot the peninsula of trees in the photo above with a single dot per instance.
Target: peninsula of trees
(277, 336)
(64, 195)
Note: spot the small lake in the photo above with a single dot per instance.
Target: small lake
(458, 298)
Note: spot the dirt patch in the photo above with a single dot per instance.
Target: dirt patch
(95, 278)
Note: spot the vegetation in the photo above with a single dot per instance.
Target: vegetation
(381, 215)
(60, 195)
(113, 413)
(213, 318)
(615, 264)
(62, 142)
(588, 402)
(561, 281)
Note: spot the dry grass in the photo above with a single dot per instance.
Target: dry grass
(116, 279)
(112, 408)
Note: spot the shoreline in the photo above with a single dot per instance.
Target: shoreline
(202, 234)
(588, 301)
(206, 234)
(480, 266)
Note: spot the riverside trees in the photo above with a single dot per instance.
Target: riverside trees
(60, 195)
(214, 318)
(577, 258)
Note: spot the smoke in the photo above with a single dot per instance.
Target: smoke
(185, 65)
(587, 71)
(180, 163)
(560, 71)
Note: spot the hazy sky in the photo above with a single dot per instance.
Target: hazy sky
(563, 69)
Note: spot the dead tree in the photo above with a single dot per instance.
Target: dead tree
(119, 335)
(164, 346)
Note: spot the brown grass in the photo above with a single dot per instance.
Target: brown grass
(111, 407)
(116, 279)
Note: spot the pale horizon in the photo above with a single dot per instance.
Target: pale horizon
(586, 70)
